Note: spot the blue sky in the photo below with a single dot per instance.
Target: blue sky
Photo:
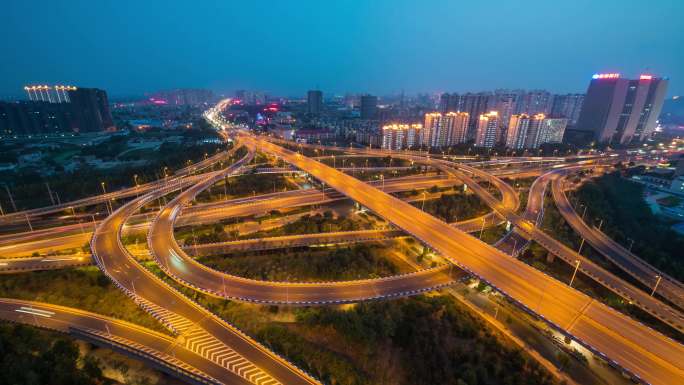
(376, 46)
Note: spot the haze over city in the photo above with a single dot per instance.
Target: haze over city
(380, 47)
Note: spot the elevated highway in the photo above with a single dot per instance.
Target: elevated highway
(647, 354)
(195, 327)
(668, 287)
(157, 349)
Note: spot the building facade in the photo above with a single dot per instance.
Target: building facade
(567, 106)
(400, 136)
(90, 108)
(55, 110)
(619, 110)
(314, 102)
(442, 130)
(369, 107)
(488, 132)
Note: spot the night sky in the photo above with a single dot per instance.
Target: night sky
(376, 46)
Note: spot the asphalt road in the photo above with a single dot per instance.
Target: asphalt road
(668, 287)
(640, 350)
(143, 341)
(197, 328)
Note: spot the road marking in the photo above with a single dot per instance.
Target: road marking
(30, 310)
(57, 259)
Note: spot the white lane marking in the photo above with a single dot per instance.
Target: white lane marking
(58, 259)
(29, 310)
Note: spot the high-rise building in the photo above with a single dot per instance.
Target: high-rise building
(488, 131)
(655, 98)
(475, 104)
(567, 106)
(90, 108)
(621, 110)
(442, 130)
(369, 107)
(517, 131)
(534, 131)
(525, 131)
(34, 117)
(449, 102)
(57, 109)
(399, 136)
(552, 130)
(535, 102)
(314, 102)
(505, 104)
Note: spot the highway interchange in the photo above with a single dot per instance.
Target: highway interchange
(222, 353)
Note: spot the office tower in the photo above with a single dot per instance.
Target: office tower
(488, 130)
(535, 102)
(552, 130)
(90, 109)
(567, 106)
(475, 104)
(441, 130)
(369, 107)
(449, 102)
(621, 110)
(398, 136)
(314, 102)
(655, 98)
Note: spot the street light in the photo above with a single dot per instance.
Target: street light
(577, 264)
(658, 277)
(580, 247)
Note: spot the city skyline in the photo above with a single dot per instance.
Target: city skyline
(338, 48)
(359, 192)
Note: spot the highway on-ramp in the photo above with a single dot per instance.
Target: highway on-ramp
(196, 327)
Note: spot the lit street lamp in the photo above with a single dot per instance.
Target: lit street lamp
(658, 277)
(577, 264)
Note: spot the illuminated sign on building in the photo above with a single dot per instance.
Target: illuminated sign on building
(606, 76)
